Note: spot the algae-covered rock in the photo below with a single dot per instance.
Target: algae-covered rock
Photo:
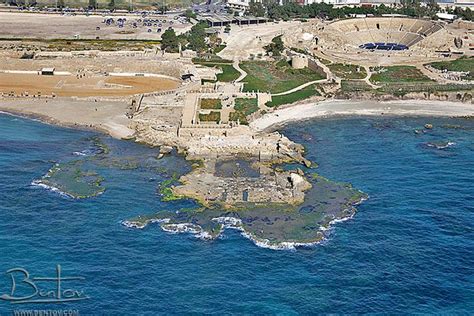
(72, 180)
(273, 225)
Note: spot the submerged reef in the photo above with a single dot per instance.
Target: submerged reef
(71, 180)
(272, 225)
(272, 202)
(77, 176)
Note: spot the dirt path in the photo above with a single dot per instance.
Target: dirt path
(243, 74)
(367, 78)
(304, 85)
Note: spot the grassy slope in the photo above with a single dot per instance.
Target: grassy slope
(348, 71)
(229, 73)
(398, 74)
(461, 64)
(354, 86)
(293, 97)
(275, 77)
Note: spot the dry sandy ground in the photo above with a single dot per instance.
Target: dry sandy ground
(51, 26)
(363, 108)
(245, 40)
(105, 116)
(96, 65)
(83, 87)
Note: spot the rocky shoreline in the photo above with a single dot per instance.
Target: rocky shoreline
(236, 224)
(236, 175)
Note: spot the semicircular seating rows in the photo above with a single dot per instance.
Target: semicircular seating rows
(392, 33)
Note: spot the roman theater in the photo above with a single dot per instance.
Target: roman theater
(379, 40)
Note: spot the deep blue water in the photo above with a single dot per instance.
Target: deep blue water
(409, 249)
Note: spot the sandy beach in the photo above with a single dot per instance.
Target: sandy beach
(105, 116)
(361, 108)
(110, 116)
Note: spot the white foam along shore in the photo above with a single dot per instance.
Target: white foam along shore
(236, 223)
(227, 223)
(330, 108)
(40, 184)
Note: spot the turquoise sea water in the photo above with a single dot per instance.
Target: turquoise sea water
(409, 248)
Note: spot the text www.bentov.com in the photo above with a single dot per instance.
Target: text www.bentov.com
(45, 312)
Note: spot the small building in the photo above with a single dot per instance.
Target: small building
(47, 71)
(216, 20)
(238, 4)
(187, 76)
(219, 20)
(247, 20)
(446, 16)
(299, 62)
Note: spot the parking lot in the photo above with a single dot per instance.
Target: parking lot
(54, 26)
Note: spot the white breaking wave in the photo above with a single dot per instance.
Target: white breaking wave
(79, 153)
(131, 224)
(229, 222)
(39, 183)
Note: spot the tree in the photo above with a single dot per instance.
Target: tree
(169, 41)
(111, 5)
(467, 14)
(189, 14)
(163, 9)
(256, 9)
(197, 37)
(60, 4)
(92, 4)
(275, 47)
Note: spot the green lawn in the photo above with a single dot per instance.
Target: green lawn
(214, 116)
(275, 77)
(229, 73)
(243, 108)
(348, 71)
(461, 64)
(398, 74)
(293, 97)
(219, 48)
(211, 104)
